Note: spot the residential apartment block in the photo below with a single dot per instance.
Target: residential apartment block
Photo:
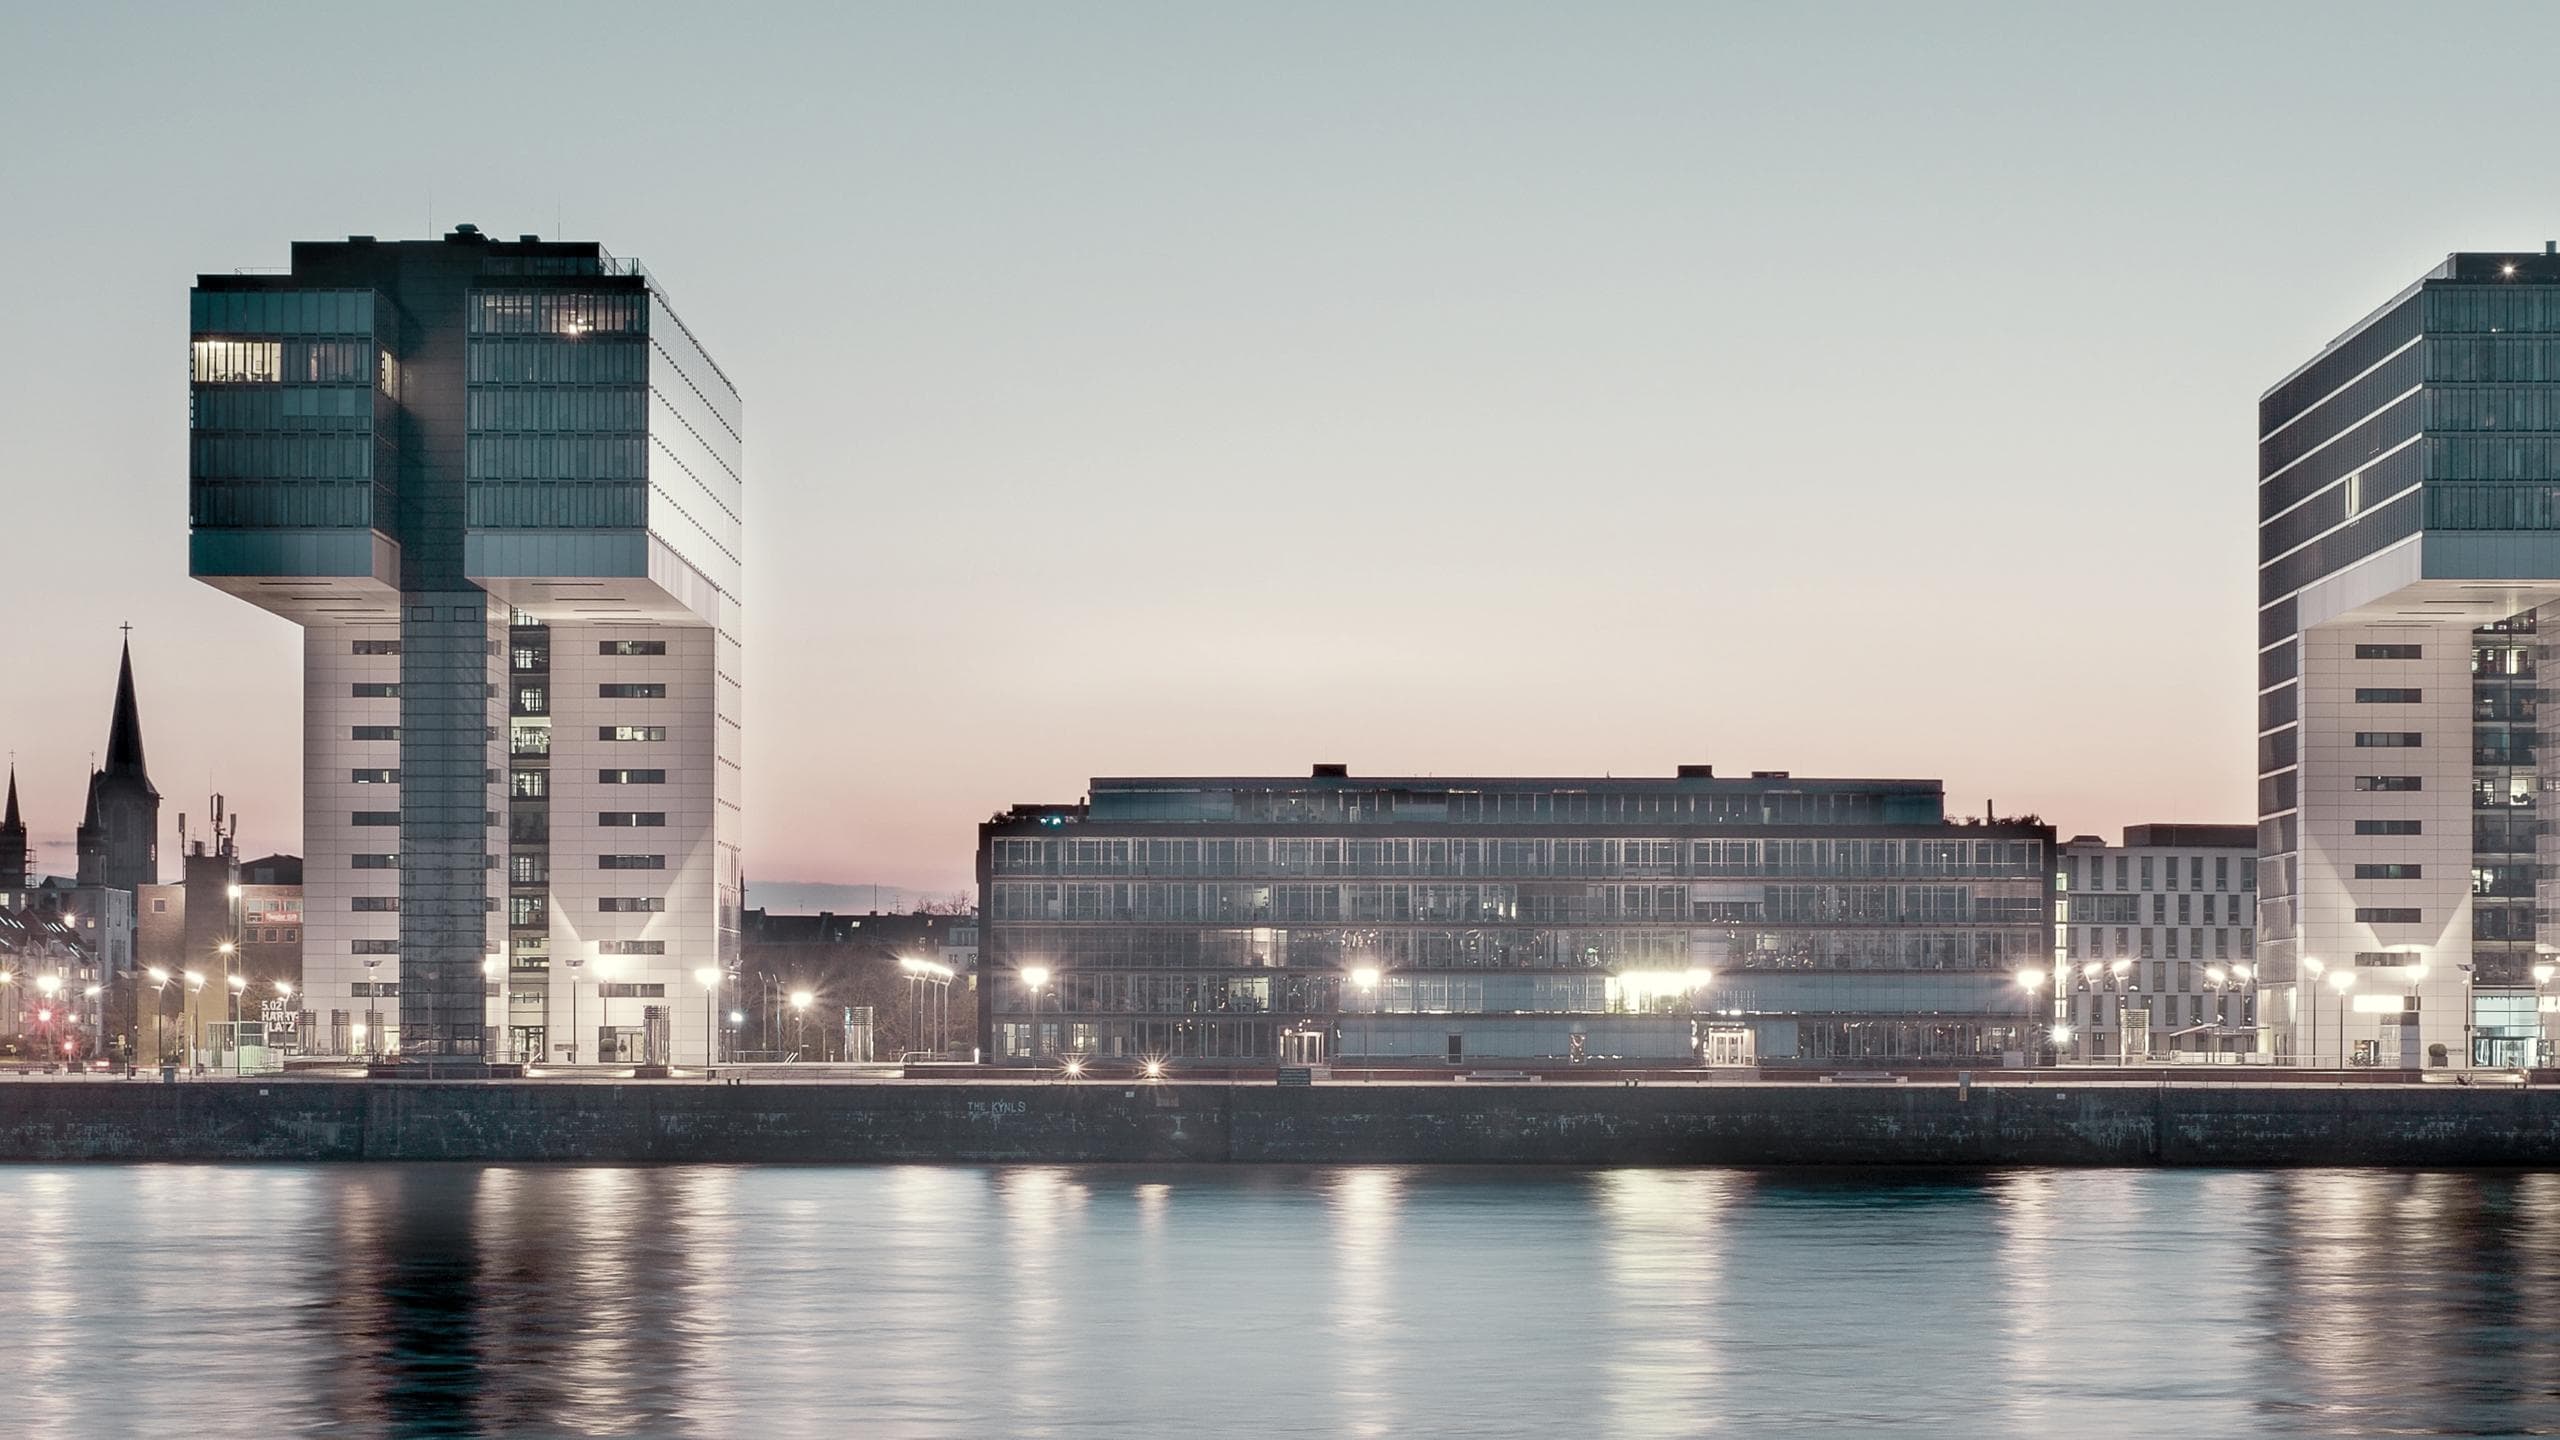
(2155, 943)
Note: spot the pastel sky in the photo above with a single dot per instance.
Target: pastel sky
(1436, 388)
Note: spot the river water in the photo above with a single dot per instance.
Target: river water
(1090, 1301)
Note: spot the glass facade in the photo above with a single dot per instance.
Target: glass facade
(2409, 502)
(1209, 919)
(445, 445)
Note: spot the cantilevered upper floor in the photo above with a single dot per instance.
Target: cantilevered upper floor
(528, 416)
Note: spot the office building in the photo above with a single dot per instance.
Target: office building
(2155, 944)
(2409, 546)
(1764, 920)
(498, 485)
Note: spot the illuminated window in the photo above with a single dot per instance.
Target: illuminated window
(239, 362)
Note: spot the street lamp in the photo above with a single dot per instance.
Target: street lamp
(372, 1032)
(800, 1021)
(1036, 976)
(493, 970)
(709, 975)
(1365, 980)
(2030, 980)
(195, 1014)
(2342, 982)
(236, 984)
(575, 964)
(2411, 974)
(606, 968)
(2541, 979)
(2313, 966)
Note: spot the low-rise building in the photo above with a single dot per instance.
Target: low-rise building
(1642, 921)
(2155, 944)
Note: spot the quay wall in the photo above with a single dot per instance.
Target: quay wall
(1334, 1123)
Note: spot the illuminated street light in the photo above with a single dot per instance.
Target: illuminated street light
(709, 978)
(1037, 977)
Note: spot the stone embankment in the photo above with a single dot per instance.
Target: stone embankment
(1337, 1123)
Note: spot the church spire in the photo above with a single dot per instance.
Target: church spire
(13, 840)
(124, 732)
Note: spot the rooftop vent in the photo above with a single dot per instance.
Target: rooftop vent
(528, 239)
(1768, 774)
(465, 231)
(1333, 772)
(1697, 772)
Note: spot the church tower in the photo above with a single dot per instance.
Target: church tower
(13, 842)
(119, 838)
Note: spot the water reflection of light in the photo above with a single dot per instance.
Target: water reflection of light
(1365, 1204)
(1037, 1209)
(1660, 1244)
(2031, 1226)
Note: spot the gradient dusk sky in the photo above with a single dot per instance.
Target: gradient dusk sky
(1457, 389)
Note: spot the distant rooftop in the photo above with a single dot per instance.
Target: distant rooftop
(1331, 794)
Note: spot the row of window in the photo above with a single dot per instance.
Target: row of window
(552, 362)
(548, 505)
(2388, 695)
(648, 690)
(2389, 652)
(293, 408)
(2386, 915)
(341, 504)
(575, 408)
(309, 312)
(222, 456)
(2126, 872)
(1527, 857)
(2097, 907)
(536, 784)
(297, 362)
(2390, 871)
(557, 312)
(631, 947)
(2390, 784)
(632, 904)
(2387, 739)
(2128, 938)
(610, 456)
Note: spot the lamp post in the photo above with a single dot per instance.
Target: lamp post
(236, 983)
(576, 963)
(800, 1021)
(737, 1021)
(2541, 979)
(2313, 966)
(2342, 981)
(1035, 976)
(1365, 980)
(372, 1036)
(606, 969)
(709, 975)
(2411, 975)
(2031, 980)
(493, 970)
(284, 994)
(2089, 974)
(195, 1016)
(2120, 970)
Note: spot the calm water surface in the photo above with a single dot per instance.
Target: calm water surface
(1062, 1301)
